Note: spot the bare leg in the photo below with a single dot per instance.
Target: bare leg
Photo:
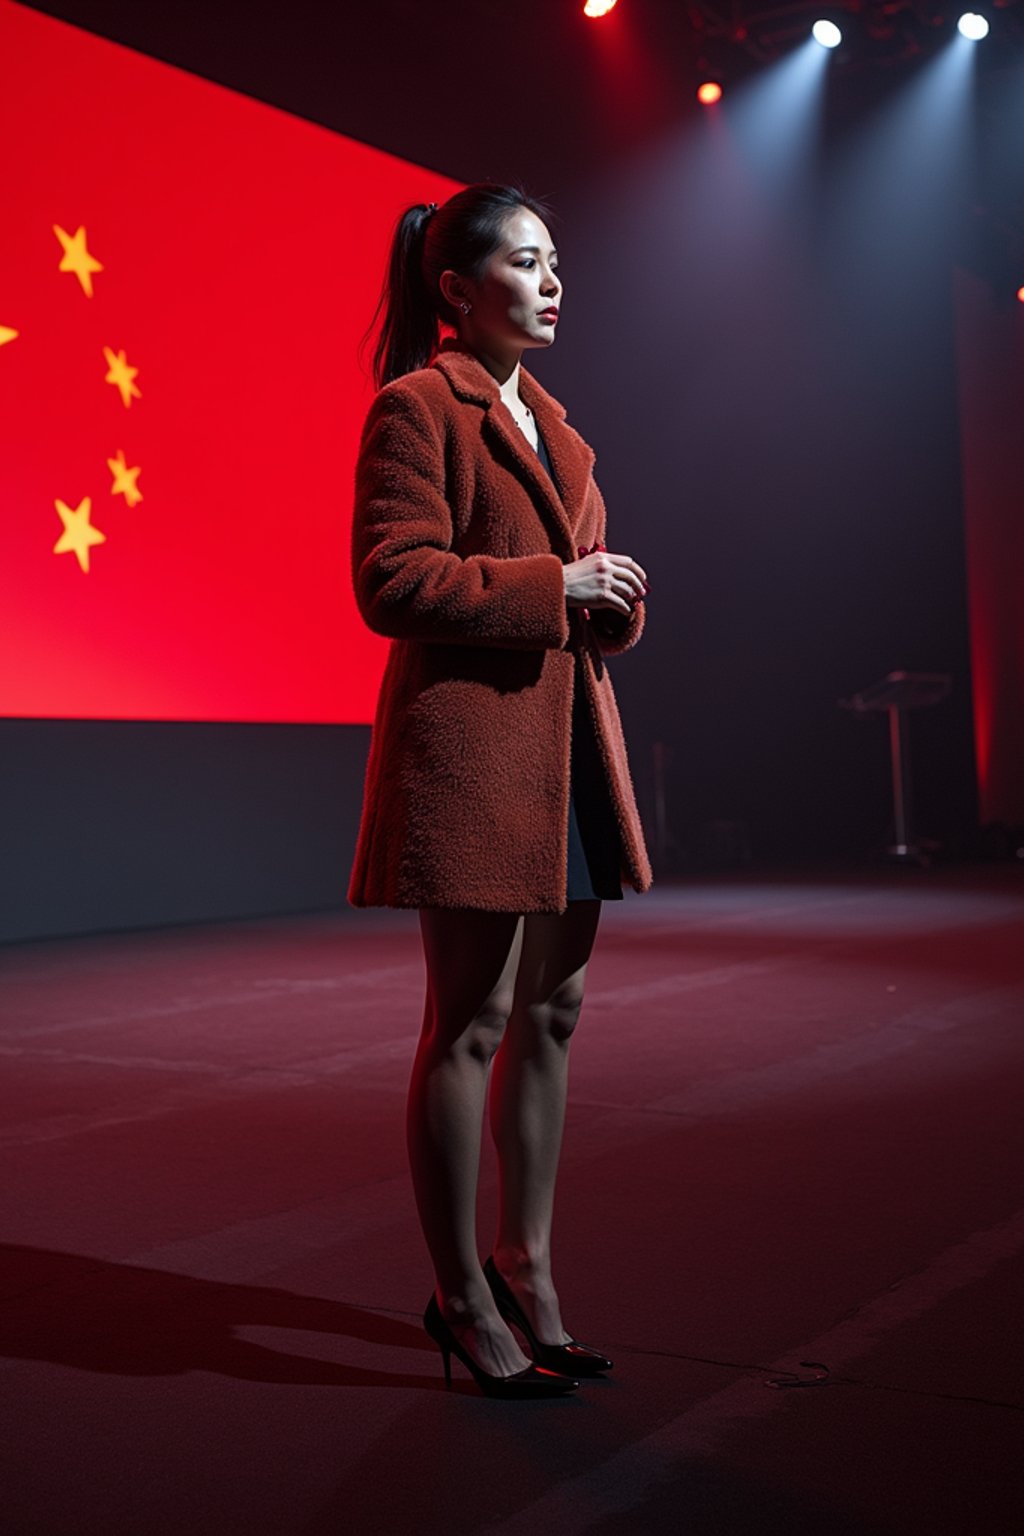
(471, 960)
(527, 1102)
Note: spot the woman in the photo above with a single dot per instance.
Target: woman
(498, 798)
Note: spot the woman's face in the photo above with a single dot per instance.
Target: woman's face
(519, 282)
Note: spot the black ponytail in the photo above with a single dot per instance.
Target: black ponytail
(462, 235)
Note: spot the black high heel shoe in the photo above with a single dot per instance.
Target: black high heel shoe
(533, 1381)
(573, 1356)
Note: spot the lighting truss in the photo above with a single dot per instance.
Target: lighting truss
(875, 32)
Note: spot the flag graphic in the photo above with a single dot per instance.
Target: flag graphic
(185, 275)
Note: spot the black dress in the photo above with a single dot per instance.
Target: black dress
(594, 860)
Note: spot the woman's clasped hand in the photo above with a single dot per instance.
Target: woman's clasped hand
(602, 579)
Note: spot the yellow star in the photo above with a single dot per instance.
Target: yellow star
(122, 374)
(76, 258)
(6, 334)
(78, 531)
(124, 479)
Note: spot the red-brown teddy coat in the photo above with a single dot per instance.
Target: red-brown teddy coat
(458, 543)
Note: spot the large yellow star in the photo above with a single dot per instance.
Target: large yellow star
(76, 258)
(122, 374)
(6, 334)
(124, 479)
(78, 531)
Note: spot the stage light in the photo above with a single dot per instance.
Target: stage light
(709, 93)
(973, 26)
(598, 7)
(1020, 294)
(827, 34)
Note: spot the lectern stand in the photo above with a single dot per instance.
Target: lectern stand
(898, 692)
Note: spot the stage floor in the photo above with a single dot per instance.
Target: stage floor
(795, 1134)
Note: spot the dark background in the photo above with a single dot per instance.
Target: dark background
(759, 346)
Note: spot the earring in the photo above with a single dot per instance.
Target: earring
(464, 308)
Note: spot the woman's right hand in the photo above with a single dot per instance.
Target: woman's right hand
(604, 580)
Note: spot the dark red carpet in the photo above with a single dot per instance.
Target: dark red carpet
(795, 1134)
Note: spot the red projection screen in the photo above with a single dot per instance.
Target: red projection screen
(185, 275)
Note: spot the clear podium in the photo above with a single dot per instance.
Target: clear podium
(897, 693)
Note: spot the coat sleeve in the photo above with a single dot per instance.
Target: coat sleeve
(409, 583)
(614, 632)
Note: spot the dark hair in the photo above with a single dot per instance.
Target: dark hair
(461, 234)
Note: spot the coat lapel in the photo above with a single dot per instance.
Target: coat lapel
(571, 458)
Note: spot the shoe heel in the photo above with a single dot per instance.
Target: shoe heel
(434, 1324)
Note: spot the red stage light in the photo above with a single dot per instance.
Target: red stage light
(709, 93)
(598, 7)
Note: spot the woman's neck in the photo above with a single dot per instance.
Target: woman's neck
(503, 368)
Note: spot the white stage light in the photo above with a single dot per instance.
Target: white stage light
(973, 26)
(827, 34)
